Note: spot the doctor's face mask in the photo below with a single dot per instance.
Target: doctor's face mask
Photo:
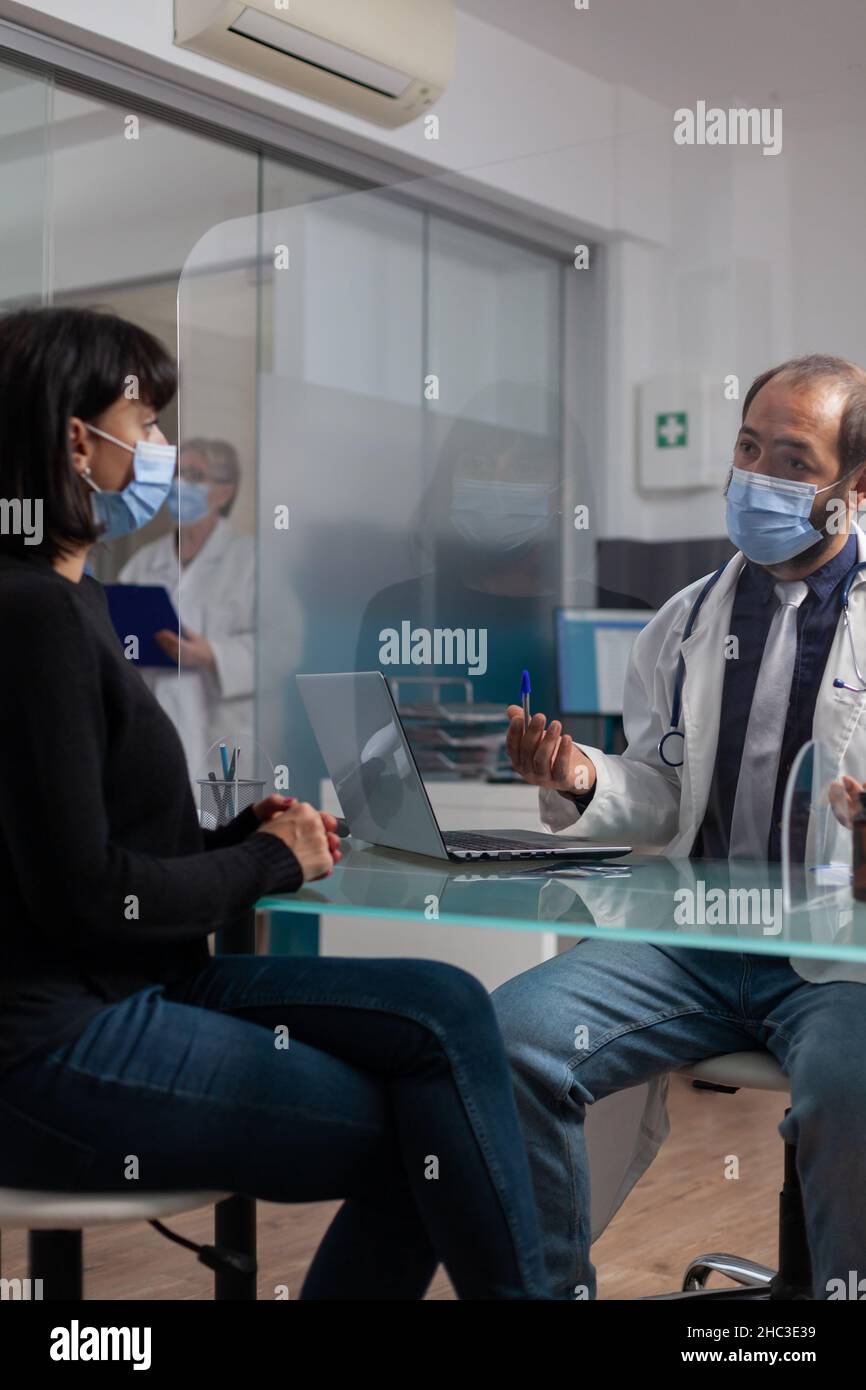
(795, 427)
(769, 519)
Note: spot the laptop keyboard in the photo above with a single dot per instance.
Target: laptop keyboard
(458, 839)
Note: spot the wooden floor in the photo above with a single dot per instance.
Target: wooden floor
(684, 1206)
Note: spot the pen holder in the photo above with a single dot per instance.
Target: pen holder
(220, 801)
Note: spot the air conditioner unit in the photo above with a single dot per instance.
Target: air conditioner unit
(385, 60)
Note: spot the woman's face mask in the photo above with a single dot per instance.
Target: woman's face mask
(138, 503)
(499, 515)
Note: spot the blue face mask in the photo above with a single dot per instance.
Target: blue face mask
(188, 502)
(138, 503)
(768, 518)
(499, 515)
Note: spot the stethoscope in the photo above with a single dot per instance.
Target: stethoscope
(846, 589)
(677, 703)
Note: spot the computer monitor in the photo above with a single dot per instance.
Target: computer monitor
(592, 651)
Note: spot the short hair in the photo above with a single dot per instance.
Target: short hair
(197, 445)
(54, 364)
(802, 371)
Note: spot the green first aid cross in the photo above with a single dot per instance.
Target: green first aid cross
(672, 429)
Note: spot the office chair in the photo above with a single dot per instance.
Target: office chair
(54, 1222)
(759, 1071)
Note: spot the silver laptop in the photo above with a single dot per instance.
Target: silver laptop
(380, 789)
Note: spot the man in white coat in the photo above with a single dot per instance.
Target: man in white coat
(760, 670)
(209, 571)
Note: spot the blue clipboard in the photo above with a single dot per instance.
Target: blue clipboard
(140, 610)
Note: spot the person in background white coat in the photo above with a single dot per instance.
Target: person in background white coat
(209, 572)
(747, 707)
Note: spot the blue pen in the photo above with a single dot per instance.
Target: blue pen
(525, 689)
(224, 754)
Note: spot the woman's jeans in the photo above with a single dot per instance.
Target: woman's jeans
(383, 1082)
(647, 1009)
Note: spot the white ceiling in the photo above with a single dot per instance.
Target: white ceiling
(753, 52)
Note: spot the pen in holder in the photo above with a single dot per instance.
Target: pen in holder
(220, 800)
(222, 792)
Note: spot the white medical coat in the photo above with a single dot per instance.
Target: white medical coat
(640, 801)
(214, 595)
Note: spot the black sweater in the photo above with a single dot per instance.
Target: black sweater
(107, 881)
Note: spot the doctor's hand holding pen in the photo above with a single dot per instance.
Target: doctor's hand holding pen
(545, 756)
(309, 834)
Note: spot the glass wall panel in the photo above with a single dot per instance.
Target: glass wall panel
(25, 267)
(123, 224)
(234, 318)
(375, 387)
(341, 436)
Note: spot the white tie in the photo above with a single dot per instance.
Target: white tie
(762, 747)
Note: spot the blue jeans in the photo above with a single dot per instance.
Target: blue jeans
(383, 1082)
(649, 1009)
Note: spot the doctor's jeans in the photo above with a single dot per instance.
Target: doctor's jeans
(607, 1015)
(393, 1093)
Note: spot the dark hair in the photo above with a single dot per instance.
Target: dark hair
(802, 371)
(56, 363)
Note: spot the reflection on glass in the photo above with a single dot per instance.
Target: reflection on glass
(816, 836)
(486, 539)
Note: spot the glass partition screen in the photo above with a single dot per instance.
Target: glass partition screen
(409, 510)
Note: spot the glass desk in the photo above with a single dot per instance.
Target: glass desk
(734, 905)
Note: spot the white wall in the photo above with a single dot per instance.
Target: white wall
(764, 262)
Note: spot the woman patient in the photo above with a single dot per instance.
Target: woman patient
(125, 1047)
